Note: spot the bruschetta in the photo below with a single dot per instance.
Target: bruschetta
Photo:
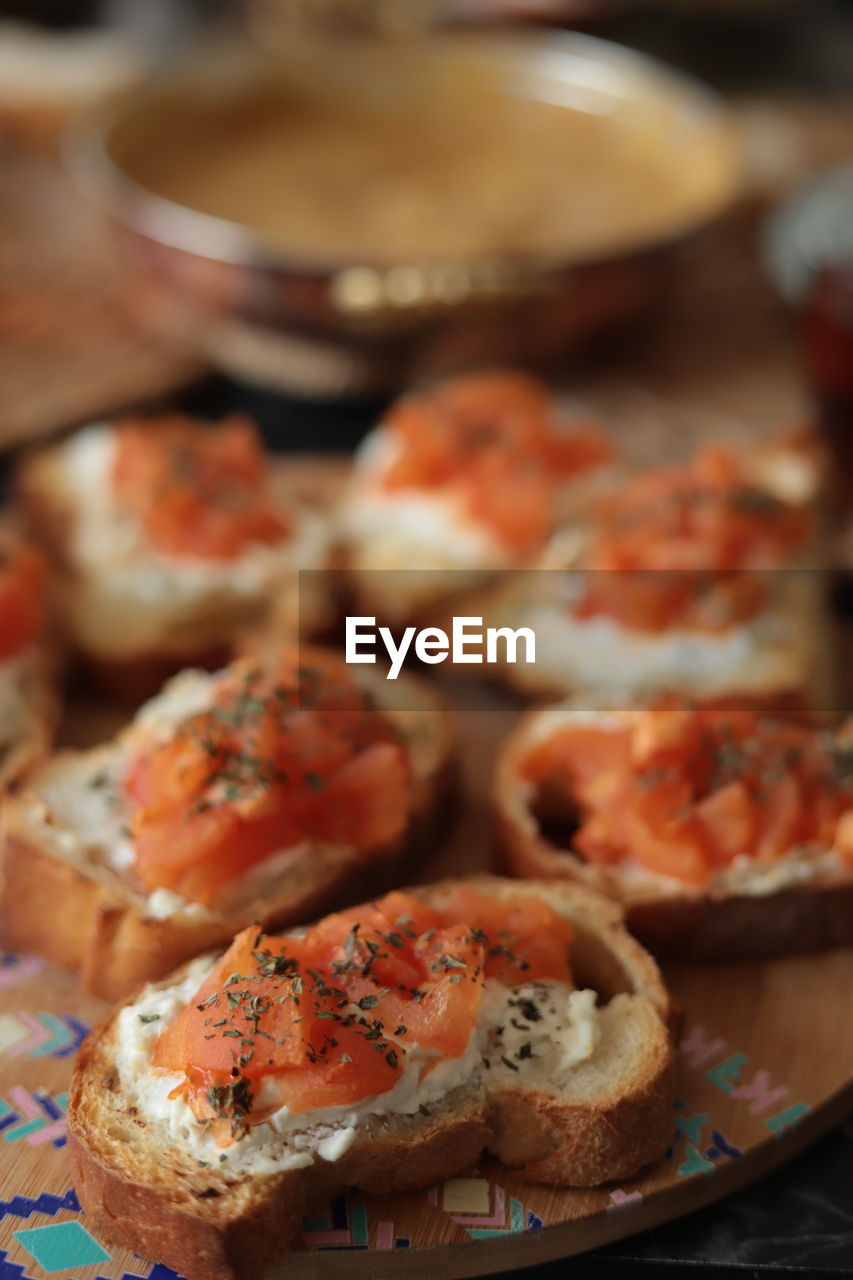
(697, 579)
(172, 535)
(269, 791)
(29, 704)
(722, 833)
(461, 480)
(384, 1048)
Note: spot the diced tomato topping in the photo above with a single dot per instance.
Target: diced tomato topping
(328, 1018)
(590, 759)
(781, 822)
(22, 584)
(200, 490)
(686, 791)
(729, 818)
(286, 752)
(688, 545)
(495, 440)
(234, 999)
(525, 938)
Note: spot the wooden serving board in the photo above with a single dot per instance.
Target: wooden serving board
(766, 1064)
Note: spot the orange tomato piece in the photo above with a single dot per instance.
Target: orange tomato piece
(492, 439)
(676, 848)
(664, 737)
(515, 501)
(368, 948)
(600, 838)
(198, 489)
(353, 1069)
(282, 756)
(525, 938)
(581, 449)
(592, 760)
(427, 975)
(369, 794)
(778, 819)
(687, 790)
(684, 545)
(728, 817)
(239, 1020)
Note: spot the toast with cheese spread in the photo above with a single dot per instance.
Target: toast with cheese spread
(269, 791)
(723, 833)
(384, 1048)
(704, 579)
(459, 481)
(172, 535)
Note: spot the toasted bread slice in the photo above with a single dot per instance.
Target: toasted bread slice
(781, 657)
(70, 891)
(420, 546)
(135, 615)
(599, 1115)
(799, 903)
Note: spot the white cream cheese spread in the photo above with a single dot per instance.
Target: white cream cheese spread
(132, 589)
(541, 1027)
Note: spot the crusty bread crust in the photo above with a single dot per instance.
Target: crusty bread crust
(551, 1142)
(209, 1231)
(89, 920)
(212, 1226)
(690, 923)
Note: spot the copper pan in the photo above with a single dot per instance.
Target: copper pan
(338, 326)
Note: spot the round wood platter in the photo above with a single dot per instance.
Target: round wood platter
(765, 1066)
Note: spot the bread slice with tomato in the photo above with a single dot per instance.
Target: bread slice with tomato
(384, 1048)
(171, 535)
(702, 579)
(722, 833)
(270, 791)
(460, 481)
(29, 701)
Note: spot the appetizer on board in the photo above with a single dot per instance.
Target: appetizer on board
(700, 579)
(468, 477)
(385, 1048)
(269, 791)
(172, 535)
(722, 832)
